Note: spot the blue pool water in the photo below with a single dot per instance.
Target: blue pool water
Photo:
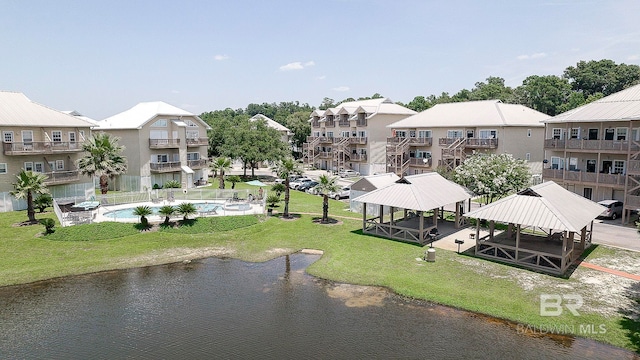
(127, 213)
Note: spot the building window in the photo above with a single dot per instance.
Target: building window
(618, 166)
(591, 165)
(528, 132)
(470, 134)
(527, 156)
(56, 136)
(38, 167)
(454, 134)
(362, 134)
(573, 164)
(344, 134)
(59, 164)
(424, 133)
(191, 134)
(412, 133)
(635, 134)
(621, 134)
(593, 134)
(316, 134)
(3, 168)
(81, 132)
(575, 133)
(401, 134)
(27, 137)
(72, 136)
(160, 123)
(329, 134)
(28, 166)
(557, 163)
(423, 154)
(488, 134)
(160, 158)
(193, 156)
(191, 123)
(7, 136)
(557, 133)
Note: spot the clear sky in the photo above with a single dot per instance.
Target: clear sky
(103, 57)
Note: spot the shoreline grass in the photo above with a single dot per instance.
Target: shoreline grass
(454, 280)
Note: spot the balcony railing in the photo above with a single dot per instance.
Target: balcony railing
(420, 162)
(583, 177)
(164, 143)
(326, 139)
(165, 166)
(482, 143)
(61, 177)
(358, 157)
(344, 123)
(633, 167)
(41, 147)
(361, 122)
(197, 164)
(329, 123)
(358, 140)
(202, 141)
(326, 154)
(591, 145)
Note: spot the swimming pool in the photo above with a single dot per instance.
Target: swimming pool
(127, 213)
(237, 207)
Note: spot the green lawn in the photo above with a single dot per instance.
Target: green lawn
(456, 280)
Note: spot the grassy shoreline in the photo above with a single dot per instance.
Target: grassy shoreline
(454, 280)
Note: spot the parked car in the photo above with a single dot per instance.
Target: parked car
(341, 194)
(295, 184)
(307, 185)
(348, 173)
(292, 178)
(614, 208)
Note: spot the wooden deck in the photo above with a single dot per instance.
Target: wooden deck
(534, 251)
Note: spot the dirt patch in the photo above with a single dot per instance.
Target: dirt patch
(175, 255)
(330, 221)
(358, 296)
(25, 223)
(279, 251)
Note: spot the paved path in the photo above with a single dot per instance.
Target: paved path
(610, 271)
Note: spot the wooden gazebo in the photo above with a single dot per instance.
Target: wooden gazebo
(547, 228)
(408, 199)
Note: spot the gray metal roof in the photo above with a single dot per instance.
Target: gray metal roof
(422, 192)
(474, 113)
(16, 109)
(623, 105)
(547, 205)
(375, 181)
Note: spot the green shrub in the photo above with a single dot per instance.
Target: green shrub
(48, 223)
(42, 202)
(156, 187)
(172, 184)
(273, 199)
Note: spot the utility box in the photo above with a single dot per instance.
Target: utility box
(430, 255)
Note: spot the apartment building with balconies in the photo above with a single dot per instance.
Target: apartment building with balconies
(38, 138)
(594, 150)
(162, 143)
(446, 134)
(352, 135)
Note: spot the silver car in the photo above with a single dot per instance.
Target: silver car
(614, 208)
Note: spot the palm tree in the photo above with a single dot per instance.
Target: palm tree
(186, 209)
(103, 157)
(220, 165)
(284, 169)
(143, 211)
(167, 211)
(28, 184)
(233, 179)
(326, 185)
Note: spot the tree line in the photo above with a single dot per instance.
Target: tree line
(550, 94)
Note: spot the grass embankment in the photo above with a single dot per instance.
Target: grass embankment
(455, 280)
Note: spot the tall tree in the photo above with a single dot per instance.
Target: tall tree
(326, 184)
(29, 183)
(544, 93)
(284, 169)
(102, 157)
(299, 125)
(221, 165)
(493, 175)
(601, 76)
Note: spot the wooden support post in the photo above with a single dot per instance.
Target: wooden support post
(364, 216)
(518, 229)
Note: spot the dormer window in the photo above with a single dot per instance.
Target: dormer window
(160, 123)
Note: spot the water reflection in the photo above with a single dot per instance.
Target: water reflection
(221, 308)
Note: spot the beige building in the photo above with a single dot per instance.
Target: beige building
(594, 150)
(353, 135)
(40, 139)
(283, 130)
(162, 143)
(446, 134)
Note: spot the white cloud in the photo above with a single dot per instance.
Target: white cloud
(341, 88)
(532, 56)
(175, 92)
(321, 77)
(634, 57)
(220, 57)
(298, 65)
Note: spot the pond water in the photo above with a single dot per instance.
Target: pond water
(221, 308)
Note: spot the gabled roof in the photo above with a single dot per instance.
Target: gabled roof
(375, 181)
(80, 116)
(140, 114)
(485, 113)
(16, 109)
(546, 205)
(421, 192)
(374, 106)
(271, 123)
(623, 105)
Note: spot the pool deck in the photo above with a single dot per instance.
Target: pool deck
(223, 210)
